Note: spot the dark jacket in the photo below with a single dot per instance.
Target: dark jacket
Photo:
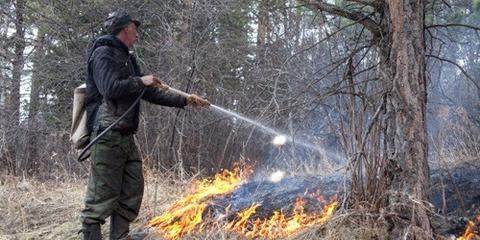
(113, 84)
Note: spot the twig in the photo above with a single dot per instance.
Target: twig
(453, 25)
(374, 4)
(457, 65)
(369, 127)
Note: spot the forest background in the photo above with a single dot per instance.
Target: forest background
(315, 70)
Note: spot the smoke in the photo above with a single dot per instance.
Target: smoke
(453, 105)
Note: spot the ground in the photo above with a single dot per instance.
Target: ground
(31, 209)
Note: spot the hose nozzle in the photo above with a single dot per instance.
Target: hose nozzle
(167, 88)
(192, 99)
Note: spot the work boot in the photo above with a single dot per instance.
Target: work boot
(91, 231)
(119, 227)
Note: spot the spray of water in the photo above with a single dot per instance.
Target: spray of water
(238, 116)
(279, 140)
(284, 137)
(297, 141)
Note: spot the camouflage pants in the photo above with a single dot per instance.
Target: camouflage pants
(116, 179)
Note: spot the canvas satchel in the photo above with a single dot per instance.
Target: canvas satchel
(79, 134)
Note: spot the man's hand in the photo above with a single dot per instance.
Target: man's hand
(151, 81)
(197, 101)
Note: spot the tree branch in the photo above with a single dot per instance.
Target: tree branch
(446, 3)
(374, 4)
(370, 125)
(453, 25)
(358, 17)
(458, 66)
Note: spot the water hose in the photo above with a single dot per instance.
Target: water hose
(83, 154)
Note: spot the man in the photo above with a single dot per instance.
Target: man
(114, 82)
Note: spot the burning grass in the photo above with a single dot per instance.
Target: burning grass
(472, 232)
(279, 224)
(196, 213)
(185, 215)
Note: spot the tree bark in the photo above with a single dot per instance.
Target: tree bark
(262, 29)
(407, 151)
(34, 105)
(13, 91)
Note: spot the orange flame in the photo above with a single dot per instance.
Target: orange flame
(279, 224)
(471, 233)
(185, 216)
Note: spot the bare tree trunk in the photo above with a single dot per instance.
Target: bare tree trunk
(4, 22)
(13, 96)
(407, 148)
(32, 138)
(3, 79)
(262, 29)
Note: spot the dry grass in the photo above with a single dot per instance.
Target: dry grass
(31, 209)
(36, 210)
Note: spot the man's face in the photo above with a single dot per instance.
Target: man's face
(131, 34)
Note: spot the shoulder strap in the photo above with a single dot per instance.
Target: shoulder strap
(97, 43)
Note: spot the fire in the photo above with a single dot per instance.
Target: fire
(279, 224)
(186, 215)
(473, 230)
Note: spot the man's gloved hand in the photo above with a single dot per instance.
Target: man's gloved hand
(197, 101)
(151, 81)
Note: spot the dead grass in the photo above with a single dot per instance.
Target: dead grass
(346, 225)
(39, 210)
(31, 209)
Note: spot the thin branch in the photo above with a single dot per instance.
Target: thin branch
(458, 66)
(374, 4)
(446, 3)
(453, 25)
(317, 43)
(370, 125)
(355, 16)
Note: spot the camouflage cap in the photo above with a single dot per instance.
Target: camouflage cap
(117, 20)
